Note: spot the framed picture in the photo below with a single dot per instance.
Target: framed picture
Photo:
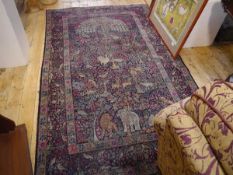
(174, 20)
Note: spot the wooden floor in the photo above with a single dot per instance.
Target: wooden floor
(19, 87)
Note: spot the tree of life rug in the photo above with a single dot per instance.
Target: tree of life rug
(105, 74)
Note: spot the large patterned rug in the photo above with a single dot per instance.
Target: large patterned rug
(105, 75)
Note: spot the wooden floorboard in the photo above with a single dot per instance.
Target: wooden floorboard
(19, 87)
(209, 63)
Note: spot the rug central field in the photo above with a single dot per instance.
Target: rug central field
(105, 75)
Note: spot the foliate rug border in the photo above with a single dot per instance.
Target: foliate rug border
(42, 110)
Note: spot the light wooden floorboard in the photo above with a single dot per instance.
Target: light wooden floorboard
(19, 87)
(209, 63)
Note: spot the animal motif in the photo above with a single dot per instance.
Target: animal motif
(134, 71)
(104, 75)
(107, 125)
(115, 63)
(103, 60)
(129, 119)
(86, 156)
(127, 83)
(147, 84)
(105, 93)
(117, 83)
(114, 66)
(89, 87)
(120, 84)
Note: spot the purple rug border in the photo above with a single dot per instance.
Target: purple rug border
(41, 69)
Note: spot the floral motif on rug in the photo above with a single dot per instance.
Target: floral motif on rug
(105, 74)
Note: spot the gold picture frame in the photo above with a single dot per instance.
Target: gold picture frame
(174, 20)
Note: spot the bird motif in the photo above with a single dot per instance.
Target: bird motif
(103, 60)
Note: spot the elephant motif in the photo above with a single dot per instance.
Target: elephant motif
(107, 125)
(129, 119)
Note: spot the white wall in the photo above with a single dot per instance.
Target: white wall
(13, 42)
(207, 26)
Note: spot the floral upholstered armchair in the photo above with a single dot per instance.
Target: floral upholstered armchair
(196, 134)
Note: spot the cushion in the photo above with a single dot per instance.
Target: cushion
(197, 155)
(211, 107)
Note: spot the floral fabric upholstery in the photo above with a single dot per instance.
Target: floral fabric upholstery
(212, 109)
(195, 135)
(160, 119)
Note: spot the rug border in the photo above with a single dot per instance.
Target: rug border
(42, 65)
(101, 6)
(38, 113)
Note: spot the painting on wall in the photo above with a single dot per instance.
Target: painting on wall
(174, 20)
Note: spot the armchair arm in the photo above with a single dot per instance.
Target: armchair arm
(211, 107)
(196, 155)
(182, 148)
(161, 117)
